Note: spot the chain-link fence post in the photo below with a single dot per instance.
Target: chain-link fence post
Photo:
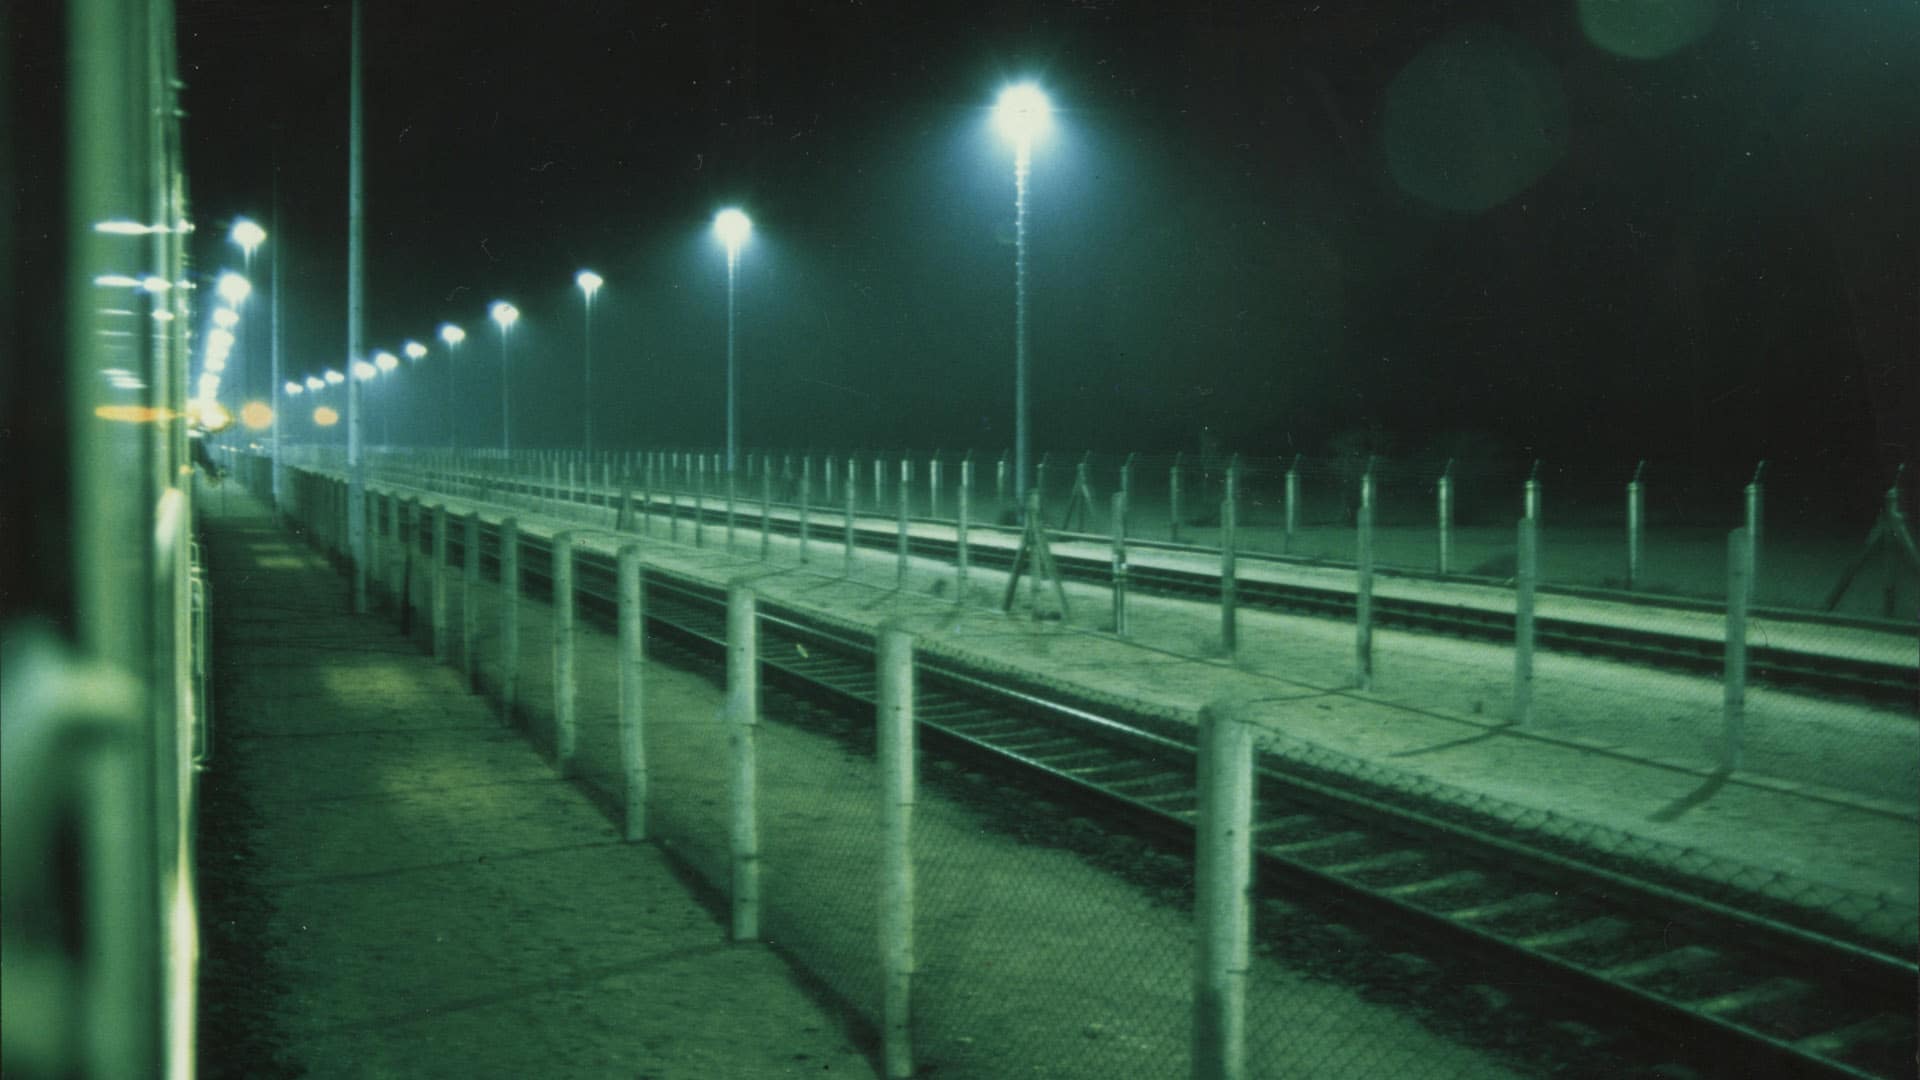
(743, 719)
(1223, 880)
(1229, 582)
(1363, 586)
(1636, 527)
(1443, 514)
(895, 752)
(1755, 495)
(1120, 563)
(633, 663)
(906, 487)
(851, 495)
(806, 504)
(766, 507)
(1173, 499)
(1292, 495)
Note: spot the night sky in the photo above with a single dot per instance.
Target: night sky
(1590, 232)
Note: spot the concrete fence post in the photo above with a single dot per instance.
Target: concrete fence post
(1000, 480)
(895, 752)
(766, 508)
(1530, 494)
(1292, 495)
(743, 719)
(1443, 514)
(906, 488)
(1223, 880)
(1754, 508)
(1229, 582)
(1173, 499)
(851, 494)
(1120, 562)
(509, 619)
(1363, 587)
(1526, 575)
(1636, 528)
(733, 478)
(879, 483)
(396, 563)
(1734, 697)
(469, 596)
(437, 584)
(933, 485)
(565, 691)
(963, 519)
(633, 663)
(700, 503)
(806, 505)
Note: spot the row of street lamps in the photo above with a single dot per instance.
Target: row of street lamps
(1022, 115)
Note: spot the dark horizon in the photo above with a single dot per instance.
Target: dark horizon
(1509, 225)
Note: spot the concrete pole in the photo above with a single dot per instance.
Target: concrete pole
(1229, 583)
(1120, 563)
(1175, 510)
(509, 619)
(1636, 528)
(1526, 574)
(732, 508)
(437, 584)
(1223, 879)
(743, 720)
(469, 600)
(1293, 506)
(933, 485)
(565, 720)
(963, 519)
(806, 500)
(895, 755)
(766, 508)
(851, 493)
(1754, 493)
(356, 326)
(1734, 698)
(1443, 512)
(906, 487)
(700, 503)
(633, 663)
(1363, 588)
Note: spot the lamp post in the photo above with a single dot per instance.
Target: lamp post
(453, 336)
(732, 227)
(589, 283)
(1022, 114)
(505, 315)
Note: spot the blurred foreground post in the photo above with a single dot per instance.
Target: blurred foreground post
(894, 750)
(743, 719)
(1223, 878)
(633, 661)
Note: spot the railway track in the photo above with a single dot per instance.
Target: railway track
(1740, 994)
(1871, 681)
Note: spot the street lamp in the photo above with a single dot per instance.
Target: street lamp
(453, 336)
(505, 315)
(732, 227)
(225, 318)
(589, 283)
(248, 236)
(1022, 115)
(233, 288)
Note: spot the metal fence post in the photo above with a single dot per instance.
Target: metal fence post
(1636, 526)
(1443, 512)
(700, 503)
(743, 718)
(1223, 878)
(1734, 699)
(1229, 583)
(509, 619)
(906, 488)
(437, 595)
(851, 494)
(1120, 563)
(469, 588)
(1754, 492)
(806, 500)
(1530, 494)
(1526, 573)
(963, 519)
(1363, 587)
(565, 692)
(933, 485)
(732, 506)
(1173, 499)
(895, 752)
(1293, 506)
(633, 662)
(879, 483)
(766, 508)
(1000, 480)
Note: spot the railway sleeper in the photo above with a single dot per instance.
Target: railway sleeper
(1587, 932)
(1771, 991)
